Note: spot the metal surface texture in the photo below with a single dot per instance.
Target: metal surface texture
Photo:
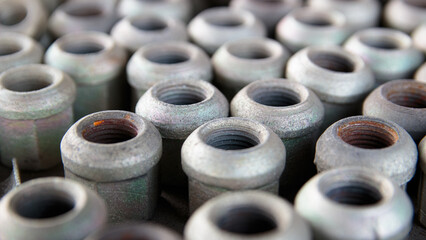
(247, 215)
(134, 231)
(404, 15)
(349, 197)
(116, 153)
(422, 185)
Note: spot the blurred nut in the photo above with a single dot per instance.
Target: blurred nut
(419, 38)
(405, 15)
(421, 74)
(422, 187)
(146, 231)
(51, 5)
(9, 178)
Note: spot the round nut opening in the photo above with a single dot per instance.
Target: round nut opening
(416, 3)
(412, 97)
(225, 20)
(314, 18)
(246, 220)
(367, 134)
(108, 131)
(331, 61)
(181, 94)
(12, 13)
(84, 10)
(9, 48)
(249, 51)
(231, 139)
(382, 41)
(148, 24)
(82, 47)
(26, 81)
(353, 193)
(275, 96)
(167, 57)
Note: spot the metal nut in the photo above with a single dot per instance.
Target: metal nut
(50, 209)
(402, 102)
(146, 231)
(115, 153)
(246, 215)
(231, 154)
(35, 112)
(421, 74)
(405, 15)
(422, 186)
(96, 63)
(241, 62)
(214, 27)
(177, 108)
(368, 142)
(295, 114)
(349, 197)
(419, 36)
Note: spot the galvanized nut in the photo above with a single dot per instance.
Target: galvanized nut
(115, 153)
(422, 186)
(137, 31)
(306, 26)
(177, 9)
(177, 108)
(269, 12)
(355, 203)
(166, 61)
(96, 63)
(23, 16)
(214, 27)
(51, 209)
(389, 53)
(145, 231)
(405, 15)
(295, 114)
(231, 154)
(419, 36)
(368, 142)
(402, 102)
(421, 74)
(359, 14)
(81, 15)
(17, 49)
(339, 78)
(35, 112)
(241, 62)
(247, 215)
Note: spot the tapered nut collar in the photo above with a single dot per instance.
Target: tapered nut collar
(146, 231)
(405, 15)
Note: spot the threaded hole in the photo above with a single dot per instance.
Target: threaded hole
(381, 42)
(408, 97)
(181, 95)
(110, 131)
(354, 193)
(275, 97)
(9, 49)
(167, 57)
(416, 3)
(43, 205)
(367, 134)
(150, 24)
(313, 19)
(225, 21)
(82, 47)
(84, 11)
(230, 139)
(12, 13)
(249, 51)
(19, 82)
(246, 220)
(332, 62)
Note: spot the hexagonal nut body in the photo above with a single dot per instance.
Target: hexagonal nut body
(135, 231)
(368, 142)
(405, 15)
(422, 185)
(18, 49)
(81, 15)
(360, 197)
(419, 36)
(389, 53)
(166, 61)
(340, 79)
(421, 74)
(35, 112)
(402, 102)
(214, 27)
(116, 154)
(231, 154)
(246, 215)
(269, 12)
(359, 14)
(23, 16)
(177, 9)
(96, 63)
(137, 31)
(241, 62)
(177, 108)
(51, 209)
(295, 114)
(305, 27)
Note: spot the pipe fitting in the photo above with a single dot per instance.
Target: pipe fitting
(389, 53)
(213, 27)
(349, 197)
(246, 215)
(241, 62)
(50, 209)
(231, 154)
(177, 108)
(146, 231)
(371, 143)
(137, 31)
(339, 78)
(18, 49)
(421, 74)
(419, 36)
(402, 102)
(306, 26)
(116, 154)
(35, 112)
(405, 15)
(96, 63)
(295, 114)
(81, 15)
(23, 16)
(359, 14)
(422, 185)
(164, 62)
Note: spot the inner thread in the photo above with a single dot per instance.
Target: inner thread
(26, 83)
(82, 47)
(246, 220)
(181, 95)
(275, 97)
(167, 57)
(149, 24)
(354, 193)
(84, 11)
(309, 18)
(8, 49)
(229, 139)
(331, 61)
(44, 205)
(249, 51)
(411, 97)
(109, 131)
(12, 13)
(225, 21)
(381, 42)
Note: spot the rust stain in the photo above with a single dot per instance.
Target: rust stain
(97, 123)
